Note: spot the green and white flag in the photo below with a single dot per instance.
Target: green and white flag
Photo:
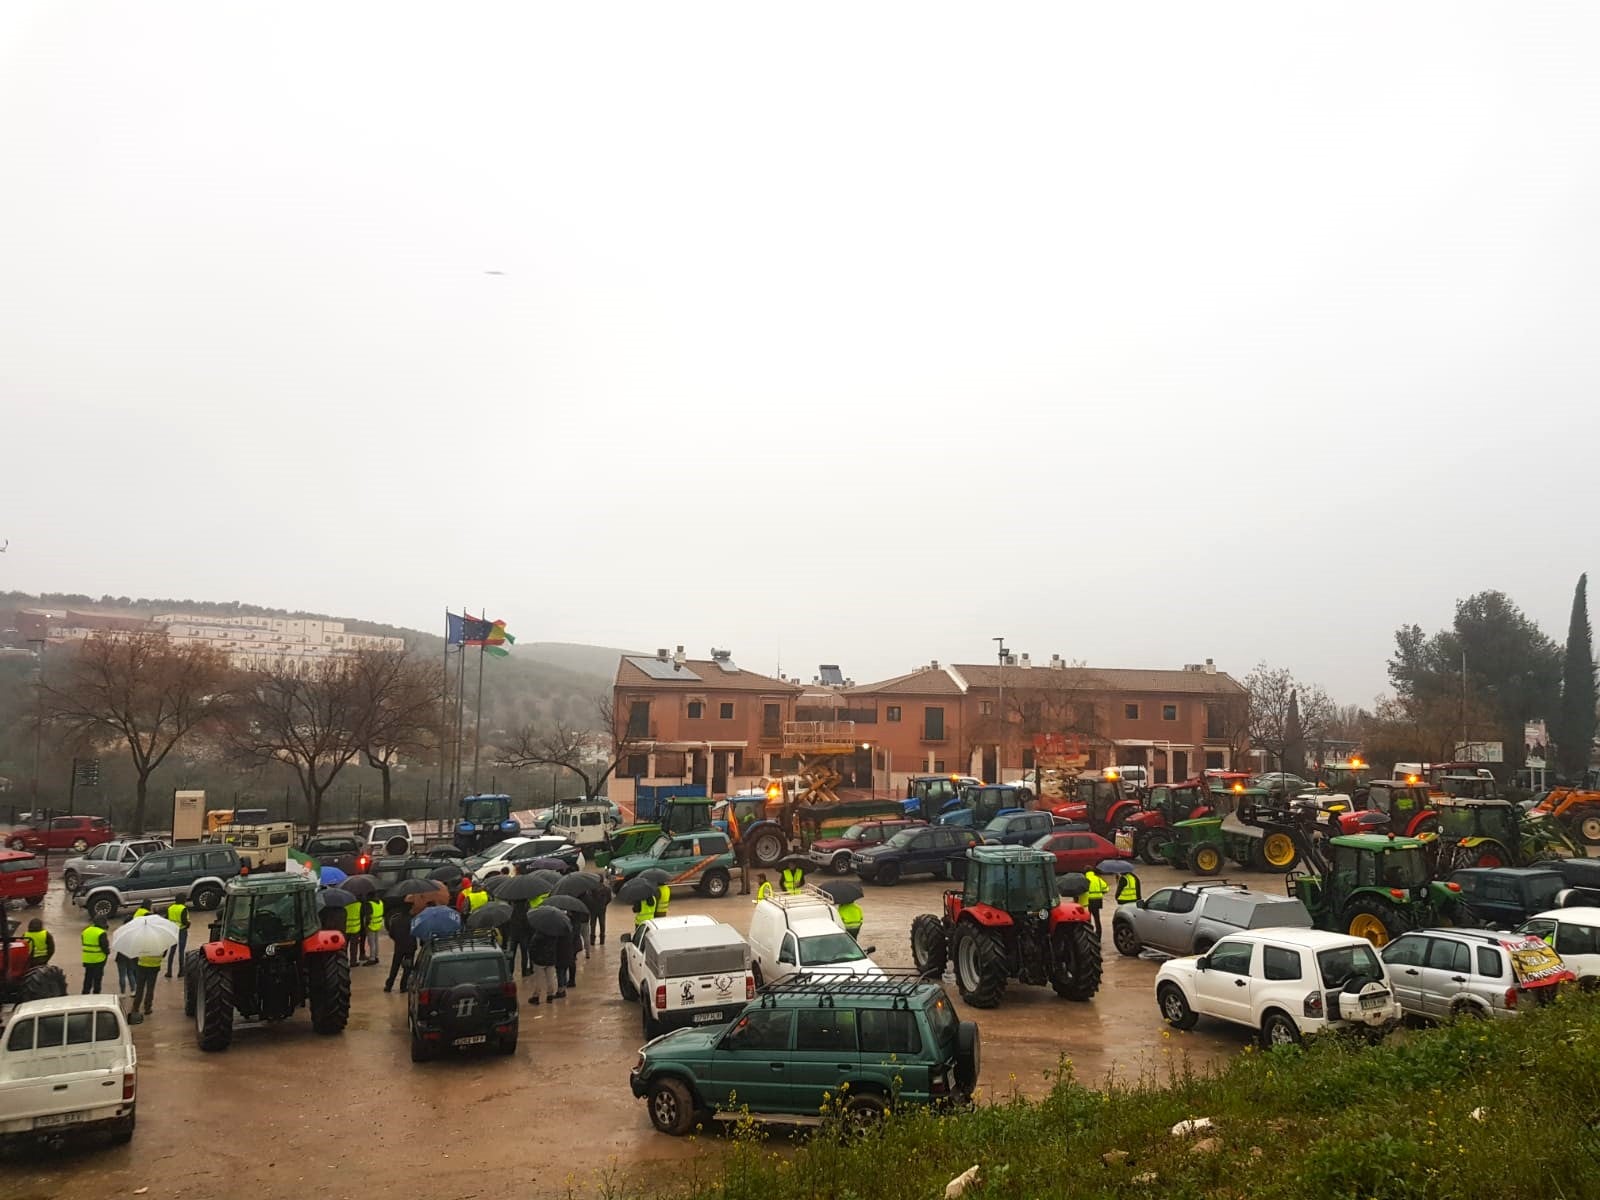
(302, 864)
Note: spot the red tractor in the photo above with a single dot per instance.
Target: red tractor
(268, 956)
(1008, 922)
(1145, 830)
(1100, 803)
(20, 980)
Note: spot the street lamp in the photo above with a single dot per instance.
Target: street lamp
(1000, 711)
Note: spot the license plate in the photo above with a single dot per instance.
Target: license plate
(1378, 1001)
(67, 1118)
(707, 1018)
(1125, 843)
(479, 1040)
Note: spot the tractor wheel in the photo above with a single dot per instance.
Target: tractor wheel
(1492, 855)
(1148, 847)
(1370, 918)
(1126, 939)
(192, 962)
(213, 1018)
(1077, 971)
(625, 985)
(929, 945)
(329, 991)
(1175, 1010)
(980, 966)
(1205, 859)
(1279, 852)
(41, 983)
(1586, 825)
(766, 848)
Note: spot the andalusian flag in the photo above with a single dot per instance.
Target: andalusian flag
(301, 864)
(498, 640)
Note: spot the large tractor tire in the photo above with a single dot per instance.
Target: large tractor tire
(328, 987)
(766, 847)
(213, 1018)
(1147, 847)
(1493, 854)
(192, 962)
(929, 945)
(1279, 853)
(1077, 973)
(1206, 859)
(42, 983)
(1370, 918)
(980, 961)
(1586, 825)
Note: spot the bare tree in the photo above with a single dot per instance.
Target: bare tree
(399, 698)
(592, 752)
(139, 689)
(308, 715)
(1271, 691)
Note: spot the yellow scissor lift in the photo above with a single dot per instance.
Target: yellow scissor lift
(817, 747)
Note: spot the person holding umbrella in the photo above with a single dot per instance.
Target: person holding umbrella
(1095, 897)
(374, 929)
(353, 935)
(642, 895)
(846, 896)
(402, 946)
(1127, 881)
(178, 914)
(548, 927)
(96, 949)
(146, 940)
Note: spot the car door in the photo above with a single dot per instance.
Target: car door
(1404, 958)
(94, 864)
(1150, 918)
(751, 1065)
(634, 954)
(1579, 947)
(825, 1054)
(1223, 988)
(1444, 975)
(920, 853)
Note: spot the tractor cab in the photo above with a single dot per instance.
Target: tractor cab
(1373, 886)
(1407, 803)
(1227, 781)
(1101, 803)
(677, 815)
(980, 805)
(1475, 832)
(485, 821)
(1471, 787)
(1145, 832)
(1350, 777)
(929, 795)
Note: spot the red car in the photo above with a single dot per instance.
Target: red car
(834, 853)
(1076, 849)
(22, 877)
(63, 833)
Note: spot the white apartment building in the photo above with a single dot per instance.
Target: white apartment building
(247, 641)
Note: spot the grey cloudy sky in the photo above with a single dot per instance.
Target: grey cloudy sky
(855, 332)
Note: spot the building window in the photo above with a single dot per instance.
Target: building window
(697, 710)
(1169, 712)
(933, 723)
(638, 722)
(1216, 721)
(771, 720)
(938, 766)
(1130, 712)
(986, 708)
(638, 765)
(892, 713)
(725, 710)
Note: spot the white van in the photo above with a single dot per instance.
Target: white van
(685, 971)
(792, 933)
(583, 823)
(68, 1067)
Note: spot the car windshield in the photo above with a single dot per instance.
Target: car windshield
(1344, 963)
(1404, 869)
(829, 948)
(482, 810)
(659, 846)
(855, 832)
(1542, 891)
(900, 840)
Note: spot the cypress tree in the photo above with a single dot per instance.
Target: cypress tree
(1575, 720)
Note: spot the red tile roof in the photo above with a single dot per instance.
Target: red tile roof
(1110, 679)
(711, 678)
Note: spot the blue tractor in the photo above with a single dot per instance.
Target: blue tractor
(485, 820)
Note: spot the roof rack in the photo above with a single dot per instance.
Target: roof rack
(465, 939)
(1202, 884)
(897, 983)
(808, 894)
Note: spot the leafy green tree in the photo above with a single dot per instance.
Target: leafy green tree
(1575, 719)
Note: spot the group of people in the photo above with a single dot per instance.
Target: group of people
(135, 975)
(1099, 887)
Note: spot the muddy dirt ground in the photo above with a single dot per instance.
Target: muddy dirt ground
(287, 1114)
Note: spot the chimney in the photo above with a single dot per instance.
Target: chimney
(1055, 661)
(1025, 663)
(680, 658)
(934, 665)
(1211, 667)
(662, 653)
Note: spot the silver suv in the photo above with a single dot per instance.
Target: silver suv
(106, 861)
(1189, 919)
(1442, 973)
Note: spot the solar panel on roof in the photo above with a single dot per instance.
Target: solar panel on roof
(728, 665)
(657, 669)
(831, 675)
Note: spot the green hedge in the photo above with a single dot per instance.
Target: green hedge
(1337, 1119)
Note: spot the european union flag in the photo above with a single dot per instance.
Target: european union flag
(465, 631)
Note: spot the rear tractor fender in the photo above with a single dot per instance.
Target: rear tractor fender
(324, 941)
(1069, 912)
(224, 954)
(986, 915)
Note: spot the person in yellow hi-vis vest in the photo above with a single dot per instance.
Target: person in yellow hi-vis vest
(374, 928)
(644, 911)
(96, 949)
(663, 898)
(178, 914)
(354, 930)
(41, 946)
(1095, 897)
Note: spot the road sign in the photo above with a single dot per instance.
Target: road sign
(86, 772)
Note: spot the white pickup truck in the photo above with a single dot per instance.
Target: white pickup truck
(68, 1067)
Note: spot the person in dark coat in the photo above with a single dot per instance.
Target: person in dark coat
(597, 901)
(544, 950)
(567, 960)
(519, 938)
(403, 955)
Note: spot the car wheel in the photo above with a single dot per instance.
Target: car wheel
(1125, 939)
(35, 901)
(17, 844)
(70, 880)
(207, 897)
(888, 874)
(864, 1110)
(1174, 1006)
(624, 984)
(715, 884)
(103, 907)
(841, 863)
(1279, 1029)
(79, 845)
(671, 1106)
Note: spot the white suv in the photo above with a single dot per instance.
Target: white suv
(1284, 983)
(685, 971)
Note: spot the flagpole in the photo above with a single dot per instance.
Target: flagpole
(461, 699)
(444, 711)
(477, 723)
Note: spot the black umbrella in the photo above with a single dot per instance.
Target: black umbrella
(529, 865)
(843, 891)
(448, 874)
(522, 887)
(409, 887)
(1073, 884)
(636, 890)
(334, 898)
(550, 921)
(569, 904)
(1115, 866)
(360, 886)
(489, 916)
(580, 883)
(654, 875)
(494, 883)
(795, 860)
(547, 879)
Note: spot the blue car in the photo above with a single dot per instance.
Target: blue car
(1018, 828)
(940, 850)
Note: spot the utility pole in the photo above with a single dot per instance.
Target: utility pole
(1000, 712)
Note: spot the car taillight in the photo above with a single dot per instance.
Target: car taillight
(127, 1086)
(939, 1085)
(424, 997)
(749, 987)
(1511, 997)
(363, 863)
(661, 995)
(509, 989)
(1313, 1004)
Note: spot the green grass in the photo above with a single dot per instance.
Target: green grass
(1336, 1119)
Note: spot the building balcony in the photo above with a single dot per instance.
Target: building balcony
(934, 738)
(643, 732)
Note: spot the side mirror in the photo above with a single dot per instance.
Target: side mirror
(627, 937)
(1141, 903)
(869, 950)
(1201, 963)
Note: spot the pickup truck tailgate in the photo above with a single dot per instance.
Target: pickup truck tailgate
(72, 1085)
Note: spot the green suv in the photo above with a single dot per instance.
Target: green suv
(870, 1042)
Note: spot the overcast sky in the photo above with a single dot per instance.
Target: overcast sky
(853, 333)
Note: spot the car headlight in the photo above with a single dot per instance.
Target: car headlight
(638, 1063)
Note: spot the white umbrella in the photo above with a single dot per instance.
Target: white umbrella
(145, 937)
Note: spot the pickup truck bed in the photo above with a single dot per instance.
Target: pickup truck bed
(69, 1066)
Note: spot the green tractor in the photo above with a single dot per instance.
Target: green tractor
(1374, 886)
(1203, 845)
(1481, 832)
(677, 815)
(268, 956)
